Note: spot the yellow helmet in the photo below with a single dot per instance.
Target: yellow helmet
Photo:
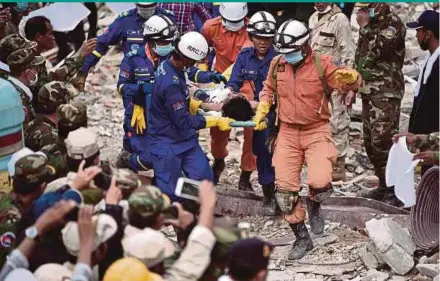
(129, 269)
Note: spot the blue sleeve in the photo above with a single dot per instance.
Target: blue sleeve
(236, 80)
(199, 76)
(112, 36)
(177, 108)
(127, 86)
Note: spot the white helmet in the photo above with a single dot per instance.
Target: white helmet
(291, 36)
(262, 24)
(233, 11)
(193, 45)
(160, 27)
(146, 4)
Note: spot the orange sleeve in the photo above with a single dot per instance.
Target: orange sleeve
(268, 85)
(206, 32)
(330, 72)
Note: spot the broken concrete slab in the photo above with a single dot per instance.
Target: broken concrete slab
(374, 275)
(430, 270)
(324, 239)
(398, 278)
(393, 244)
(370, 257)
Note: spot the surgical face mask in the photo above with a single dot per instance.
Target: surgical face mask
(32, 82)
(294, 57)
(21, 7)
(164, 50)
(233, 26)
(325, 11)
(146, 12)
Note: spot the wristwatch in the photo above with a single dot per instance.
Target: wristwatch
(32, 233)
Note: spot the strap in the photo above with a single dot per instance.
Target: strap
(327, 92)
(274, 76)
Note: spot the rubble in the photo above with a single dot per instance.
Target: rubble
(374, 275)
(430, 270)
(392, 243)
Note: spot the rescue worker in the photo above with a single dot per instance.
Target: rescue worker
(299, 81)
(126, 29)
(251, 67)
(331, 35)
(135, 84)
(171, 128)
(227, 34)
(43, 129)
(379, 59)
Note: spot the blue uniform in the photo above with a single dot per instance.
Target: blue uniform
(248, 67)
(172, 132)
(126, 29)
(136, 70)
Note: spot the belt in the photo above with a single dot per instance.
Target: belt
(303, 127)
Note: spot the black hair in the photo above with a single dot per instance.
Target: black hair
(238, 108)
(34, 26)
(142, 222)
(73, 164)
(23, 187)
(64, 129)
(242, 272)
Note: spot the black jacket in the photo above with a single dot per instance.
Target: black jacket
(425, 112)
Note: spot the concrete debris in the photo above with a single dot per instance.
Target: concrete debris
(392, 243)
(374, 275)
(430, 270)
(399, 278)
(370, 257)
(325, 239)
(421, 277)
(434, 259)
(437, 278)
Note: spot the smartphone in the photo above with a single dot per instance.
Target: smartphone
(188, 189)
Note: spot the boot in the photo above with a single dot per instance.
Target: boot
(123, 159)
(303, 242)
(269, 203)
(244, 183)
(217, 168)
(315, 220)
(339, 170)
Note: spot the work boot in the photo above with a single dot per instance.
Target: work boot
(244, 183)
(123, 159)
(339, 170)
(315, 220)
(303, 243)
(217, 169)
(269, 203)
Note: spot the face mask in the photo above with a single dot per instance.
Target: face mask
(146, 12)
(294, 57)
(163, 50)
(371, 12)
(325, 11)
(34, 81)
(21, 7)
(233, 26)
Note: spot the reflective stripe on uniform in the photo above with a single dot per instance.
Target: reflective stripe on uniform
(196, 76)
(142, 74)
(135, 39)
(140, 163)
(97, 54)
(120, 89)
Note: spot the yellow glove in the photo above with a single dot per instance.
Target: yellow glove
(138, 119)
(223, 123)
(347, 76)
(203, 66)
(262, 110)
(194, 106)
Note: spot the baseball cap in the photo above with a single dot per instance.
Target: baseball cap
(428, 19)
(106, 227)
(32, 168)
(148, 200)
(20, 274)
(24, 57)
(82, 144)
(52, 95)
(72, 114)
(17, 156)
(148, 245)
(12, 43)
(251, 252)
(129, 269)
(52, 272)
(47, 200)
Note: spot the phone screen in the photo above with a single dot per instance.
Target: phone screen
(190, 189)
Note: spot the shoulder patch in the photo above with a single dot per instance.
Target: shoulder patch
(7, 239)
(389, 32)
(281, 67)
(124, 74)
(123, 14)
(336, 61)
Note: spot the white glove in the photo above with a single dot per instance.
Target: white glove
(219, 95)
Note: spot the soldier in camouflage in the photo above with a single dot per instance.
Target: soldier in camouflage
(379, 59)
(43, 129)
(71, 117)
(425, 146)
(29, 181)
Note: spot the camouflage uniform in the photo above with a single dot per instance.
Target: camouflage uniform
(9, 216)
(71, 115)
(379, 59)
(43, 131)
(147, 201)
(429, 142)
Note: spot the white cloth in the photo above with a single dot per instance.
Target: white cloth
(430, 60)
(19, 84)
(400, 172)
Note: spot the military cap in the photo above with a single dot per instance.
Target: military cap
(72, 114)
(127, 179)
(31, 168)
(250, 252)
(52, 95)
(82, 144)
(24, 57)
(148, 200)
(48, 200)
(12, 43)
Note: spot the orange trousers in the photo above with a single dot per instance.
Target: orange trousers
(296, 145)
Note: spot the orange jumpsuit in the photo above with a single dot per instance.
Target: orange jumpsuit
(304, 134)
(227, 45)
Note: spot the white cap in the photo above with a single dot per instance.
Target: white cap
(193, 45)
(17, 156)
(106, 227)
(20, 274)
(291, 36)
(233, 11)
(52, 272)
(148, 245)
(81, 144)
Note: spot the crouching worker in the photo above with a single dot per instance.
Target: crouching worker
(301, 81)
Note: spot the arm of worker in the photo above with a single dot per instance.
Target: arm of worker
(196, 256)
(127, 86)
(344, 79)
(112, 36)
(202, 12)
(236, 80)
(199, 76)
(344, 37)
(86, 229)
